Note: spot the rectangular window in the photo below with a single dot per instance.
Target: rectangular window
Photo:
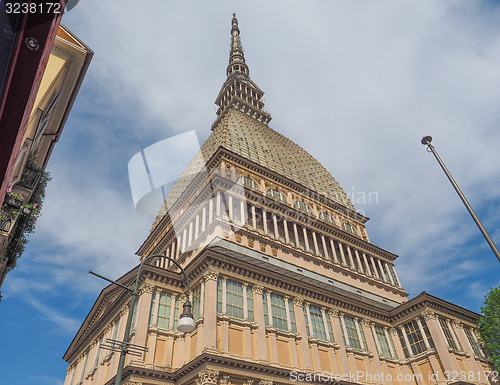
(352, 333)
(472, 341)
(234, 299)
(278, 310)
(164, 311)
(415, 338)
(196, 294)
(447, 333)
(318, 325)
(382, 340)
(250, 304)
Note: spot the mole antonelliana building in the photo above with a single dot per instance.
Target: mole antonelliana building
(285, 284)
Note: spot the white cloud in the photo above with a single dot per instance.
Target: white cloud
(357, 85)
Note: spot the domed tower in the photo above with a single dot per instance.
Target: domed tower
(284, 280)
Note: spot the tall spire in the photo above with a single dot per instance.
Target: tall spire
(236, 57)
(239, 91)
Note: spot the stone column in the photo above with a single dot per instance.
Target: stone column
(351, 260)
(275, 223)
(210, 211)
(405, 337)
(308, 313)
(342, 256)
(218, 205)
(153, 331)
(230, 209)
(306, 241)
(287, 236)
(367, 326)
(453, 335)
(448, 362)
(269, 308)
(288, 320)
(337, 332)
(264, 221)
(323, 242)
(196, 227)
(224, 294)
(374, 267)
(315, 241)
(381, 270)
(360, 265)
(243, 212)
(389, 273)
(301, 329)
(204, 218)
(259, 319)
(467, 347)
(142, 314)
(245, 304)
(390, 342)
(424, 336)
(397, 345)
(296, 235)
(368, 270)
(190, 234)
(334, 252)
(254, 219)
(325, 324)
(210, 311)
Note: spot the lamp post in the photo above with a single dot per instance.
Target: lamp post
(186, 320)
(426, 140)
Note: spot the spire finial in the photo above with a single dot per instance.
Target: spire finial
(239, 91)
(236, 57)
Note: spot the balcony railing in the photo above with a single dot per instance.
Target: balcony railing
(30, 178)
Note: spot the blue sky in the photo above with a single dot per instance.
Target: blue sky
(357, 84)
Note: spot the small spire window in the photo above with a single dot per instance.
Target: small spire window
(301, 205)
(273, 193)
(349, 228)
(247, 181)
(326, 217)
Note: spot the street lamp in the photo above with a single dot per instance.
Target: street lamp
(185, 324)
(426, 141)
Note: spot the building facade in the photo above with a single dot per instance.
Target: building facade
(285, 283)
(51, 100)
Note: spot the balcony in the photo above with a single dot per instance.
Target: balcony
(29, 178)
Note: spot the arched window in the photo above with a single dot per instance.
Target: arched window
(303, 206)
(246, 181)
(276, 194)
(347, 227)
(326, 217)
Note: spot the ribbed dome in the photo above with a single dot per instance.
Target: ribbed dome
(255, 141)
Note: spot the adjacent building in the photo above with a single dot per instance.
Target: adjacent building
(285, 283)
(29, 134)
